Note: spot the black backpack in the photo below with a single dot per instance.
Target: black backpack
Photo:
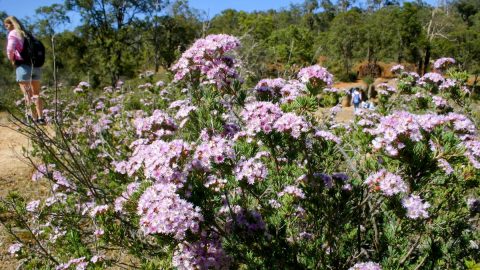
(33, 52)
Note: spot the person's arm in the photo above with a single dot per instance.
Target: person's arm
(12, 44)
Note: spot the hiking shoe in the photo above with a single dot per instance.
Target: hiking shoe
(41, 121)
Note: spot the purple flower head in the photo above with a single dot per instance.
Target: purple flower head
(385, 89)
(315, 75)
(448, 84)
(42, 170)
(125, 196)
(158, 125)
(15, 248)
(99, 209)
(246, 221)
(443, 63)
(292, 124)
(474, 205)
(260, 117)
(207, 58)
(431, 78)
(293, 191)
(230, 129)
(366, 266)
(388, 183)
(161, 160)
(160, 84)
(184, 108)
(33, 206)
(203, 254)
(415, 207)
(161, 210)
(445, 166)
(439, 102)
(251, 170)
(327, 179)
(472, 152)
(270, 87)
(341, 177)
(78, 263)
(327, 136)
(291, 90)
(213, 150)
(397, 69)
(394, 129)
(84, 85)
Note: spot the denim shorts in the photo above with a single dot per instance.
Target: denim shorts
(26, 73)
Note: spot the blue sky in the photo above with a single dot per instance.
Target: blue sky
(24, 8)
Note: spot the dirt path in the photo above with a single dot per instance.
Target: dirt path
(15, 175)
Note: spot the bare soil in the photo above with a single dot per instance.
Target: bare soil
(15, 175)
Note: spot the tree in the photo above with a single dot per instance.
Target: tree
(411, 35)
(50, 18)
(107, 23)
(344, 38)
(466, 9)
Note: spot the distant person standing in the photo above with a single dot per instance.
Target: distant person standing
(27, 76)
(356, 98)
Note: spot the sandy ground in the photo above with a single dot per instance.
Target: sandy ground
(15, 175)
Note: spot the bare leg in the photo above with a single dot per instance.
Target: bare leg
(36, 98)
(27, 93)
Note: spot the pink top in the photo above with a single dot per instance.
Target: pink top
(14, 45)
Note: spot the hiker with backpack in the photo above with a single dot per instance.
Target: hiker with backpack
(27, 56)
(356, 98)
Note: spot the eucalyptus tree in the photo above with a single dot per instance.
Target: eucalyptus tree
(108, 24)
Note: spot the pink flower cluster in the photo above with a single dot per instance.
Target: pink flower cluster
(203, 254)
(161, 160)
(431, 78)
(42, 170)
(395, 128)
(439, 102)
(443, 63)
(184, 108)
(366, 266)
(122, 199)
(415, 207)
(388, 183)
(385, 89)
(61, 182)
(79, 263)
(292, 124)
(252, 170)
(270, 86)
(207, 57)
(328, 136)
(445, 166)
(397, 69)
(159, 124)
(292, 191)
(260, 117)
(315, 75)
(448, 84)
(161, 210)
(15, 248)
(291, 90)
(81, 87)
(99, 209)
(472, 152)
(212, 150)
